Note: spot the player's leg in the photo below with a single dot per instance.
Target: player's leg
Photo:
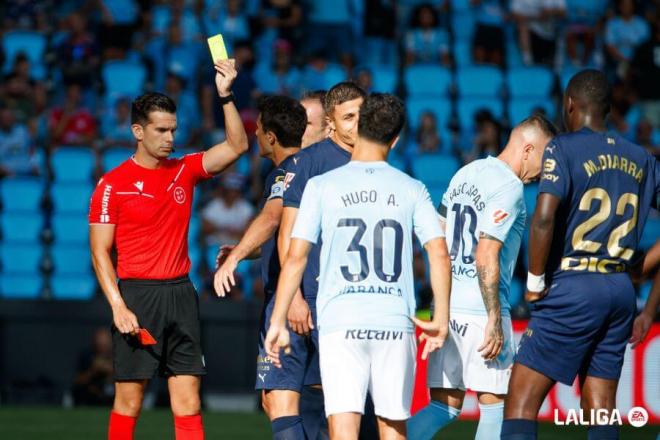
(444, 408)
(186, 407)
(391, 429)
(126, 409)
(344, 426)
(282, 408)
(491, 415)
(312, 408)
(598, 394)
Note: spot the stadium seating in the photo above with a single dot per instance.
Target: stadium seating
(480, 81)
(426, 80)
(565, 76)
(441, 108)
(76, 287)
(530, 82)
(71, 260)
(21, 194)
(73, 164)
(71, 198)
(463, 25)
(20, 286)
(435, 169)
(20, 259)
(651, 232)
(521, 108)
(113, 157)
(71, 229)
(463, 53)
(122, 78)
(468, 107)
(31, 43)
(23, 228)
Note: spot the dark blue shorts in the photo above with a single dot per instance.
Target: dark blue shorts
(299, 368)
(581, 327)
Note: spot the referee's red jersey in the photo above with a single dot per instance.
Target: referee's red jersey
(151, 212)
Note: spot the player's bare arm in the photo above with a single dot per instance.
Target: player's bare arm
(644, 320)
(300, 317)
(540, 240)
(488, 273)
(287, 285)
(435, 332)
(101, 239)
(260, 230)
(220, 156)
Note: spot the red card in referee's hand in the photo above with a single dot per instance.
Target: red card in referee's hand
(145, 337)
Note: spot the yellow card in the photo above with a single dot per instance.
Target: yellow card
(217, 48)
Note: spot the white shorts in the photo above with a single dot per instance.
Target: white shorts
(382, 362)
(458, 364)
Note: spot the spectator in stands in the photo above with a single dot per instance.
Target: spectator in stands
(623, 33)
(71, 123)
(181, 57)
(16, 158)
(77, 55)
(228, 19)
(187, 109)
(364, 78)
(116, 127)
(94, 384)
(379, 33)
(118, 20)
(226, 216)
(644, 74)
(316, 71)
(281, 77)
(26, 14)
(625, 112)
(582, 25)
(329, 29)
(647, 137)
(488, 41)
(486, 141)
(538, 24)
(283, 18)
(427, 137)
(425, 41)
(26, 98)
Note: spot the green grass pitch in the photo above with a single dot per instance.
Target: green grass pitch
(28, 423)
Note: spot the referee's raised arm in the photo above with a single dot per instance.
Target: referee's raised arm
(222, 155)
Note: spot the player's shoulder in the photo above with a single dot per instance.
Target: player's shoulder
(118, 174)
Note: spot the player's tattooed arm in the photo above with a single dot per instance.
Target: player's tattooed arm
(488, 274)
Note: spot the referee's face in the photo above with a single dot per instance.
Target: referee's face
(158, 134)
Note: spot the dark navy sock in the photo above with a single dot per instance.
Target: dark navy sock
(518, 429)
(312, 411)
(288, 428)
(603, 432)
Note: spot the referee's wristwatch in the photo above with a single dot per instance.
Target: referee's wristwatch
(226, 99)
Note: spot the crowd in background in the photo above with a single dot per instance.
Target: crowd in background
(292, 46)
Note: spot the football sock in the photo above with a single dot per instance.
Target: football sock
(603, 432)
(288, 428)
(490, 421)
(121, 427)
(188, 427)
(428, 421)
(519, 429)
(312, 412)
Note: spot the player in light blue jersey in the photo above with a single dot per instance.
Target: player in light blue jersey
(365, 213)
(484, 213)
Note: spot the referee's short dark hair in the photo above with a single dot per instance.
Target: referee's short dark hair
(285, 117)
(382, 117)
(341, 93)
(591, 89)
(150, 102)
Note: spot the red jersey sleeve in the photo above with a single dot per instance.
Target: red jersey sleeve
(194, 162)
(103, 205)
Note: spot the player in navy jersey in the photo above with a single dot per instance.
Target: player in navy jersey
(280, 127)
(595, 193)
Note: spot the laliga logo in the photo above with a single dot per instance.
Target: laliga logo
(637, 417)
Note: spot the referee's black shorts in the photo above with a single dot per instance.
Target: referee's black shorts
(169, 310)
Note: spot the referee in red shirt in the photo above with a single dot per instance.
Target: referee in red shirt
(143, 207)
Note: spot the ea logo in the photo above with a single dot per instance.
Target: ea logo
(638, 416)
(179, 195)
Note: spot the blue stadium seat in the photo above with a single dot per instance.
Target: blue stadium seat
(333, 75)
(461, 6)
(530, 192)
(436, 191)
(530, 82)
(113, 157)
(565, 76)
(397, 162)
(20, 258)
(21, 228)
(71, 198)
(468, 107)
(463, 25)
(71, 229)
(71, 260)
(32, 43)
(75, 287)
(21, 194)
(73, 164)
(312, 79)
(424, 80)
(441, 108)
(514, 57)
(463, 53)
(194, 228)
(384, 78)
(480, 81)
(20, 286)
(123, 78)
(434, 169)
(651, 232)
(521, 108)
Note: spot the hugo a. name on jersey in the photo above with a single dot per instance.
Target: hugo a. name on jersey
(606, 186)
(366, 213)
